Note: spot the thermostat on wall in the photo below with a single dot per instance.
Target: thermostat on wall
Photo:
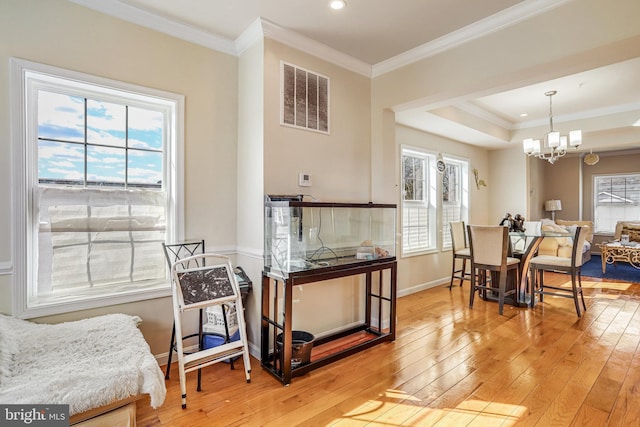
(304, 179)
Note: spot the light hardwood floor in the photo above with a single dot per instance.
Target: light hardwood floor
(449, 366)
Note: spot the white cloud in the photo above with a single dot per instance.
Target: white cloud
(66, 151)
(147, 175)
(136, 143)
(145, 119)
(106, 123)
(63, 164)
(60, 110)
(67, 174)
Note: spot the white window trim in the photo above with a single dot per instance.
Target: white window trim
(21, 179)
(435, 195)
(431, 196)
(594, 198)
(465, 182)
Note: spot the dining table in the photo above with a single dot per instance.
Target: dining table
(524, 246)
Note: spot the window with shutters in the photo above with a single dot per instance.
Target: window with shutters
(616, 198)
(430, 198)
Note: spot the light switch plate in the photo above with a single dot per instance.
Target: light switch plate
(304, 179)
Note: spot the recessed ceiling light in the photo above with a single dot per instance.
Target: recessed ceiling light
(523, 114)
(337, 4)
(637, 123)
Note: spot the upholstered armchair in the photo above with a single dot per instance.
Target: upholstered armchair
(563, 246)
(630, 228)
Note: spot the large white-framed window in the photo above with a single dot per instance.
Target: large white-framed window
(455, 196)
(615, 198)
(98, 178)
(431, 199)
(419, 185)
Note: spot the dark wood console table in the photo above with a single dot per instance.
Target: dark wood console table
(380, 303)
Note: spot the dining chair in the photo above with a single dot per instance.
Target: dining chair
(573, 266)
(460, 251)
(202, 281)
(489, 248)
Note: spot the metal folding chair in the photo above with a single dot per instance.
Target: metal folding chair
(202, 281)
(175, 252)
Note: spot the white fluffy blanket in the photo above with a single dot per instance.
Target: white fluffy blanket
(85, 364)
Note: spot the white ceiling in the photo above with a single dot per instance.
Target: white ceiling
(378, 35)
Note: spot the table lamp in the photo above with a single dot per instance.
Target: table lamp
(553, 206)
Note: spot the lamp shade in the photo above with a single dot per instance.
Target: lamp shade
(553, 139)
(575, 138)
(552, 205)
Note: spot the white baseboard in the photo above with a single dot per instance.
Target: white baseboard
(423, 286)
(254, 349)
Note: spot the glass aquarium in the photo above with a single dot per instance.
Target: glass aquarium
(303, 236)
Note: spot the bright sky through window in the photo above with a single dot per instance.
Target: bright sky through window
(99, 192)
(101, 142)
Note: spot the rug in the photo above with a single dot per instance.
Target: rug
(619, 271)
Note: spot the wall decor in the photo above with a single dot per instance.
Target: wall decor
(591, 159)
(479, 182)
(440, 164)
(304, 100)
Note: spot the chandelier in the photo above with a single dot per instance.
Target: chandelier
(555, 145)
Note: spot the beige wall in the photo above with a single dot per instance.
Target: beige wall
(340, 163)
(62, 34)
(507, 184)
(423, 271)
(535, 185)
(563, 181)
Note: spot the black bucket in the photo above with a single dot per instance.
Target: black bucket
(301, 346)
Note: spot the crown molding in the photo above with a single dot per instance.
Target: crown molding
(483, 114)
(491, 24)
(251, 35)
(150, 20)
(312, 47)
(583, 115)
(261, 28)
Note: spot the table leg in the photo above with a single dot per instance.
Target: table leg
(604, 256)
(524, 290)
